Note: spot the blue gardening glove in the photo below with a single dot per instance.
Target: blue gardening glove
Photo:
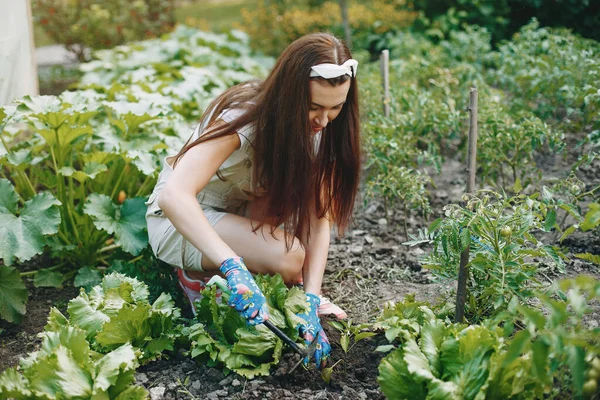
(313, 328)
(246, 297)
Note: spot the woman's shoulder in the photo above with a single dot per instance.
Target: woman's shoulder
(245, 133)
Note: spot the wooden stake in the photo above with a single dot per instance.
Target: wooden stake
(463, 272)
(385, 74)
(346, 23)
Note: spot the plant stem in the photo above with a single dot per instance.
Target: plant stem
(19, 172)
(26, 179)
(405, 218)
(588, 193)
(136, 259)
(118, 182)
(111, 177)
(109, 248)
(140, 191)
(30, 273)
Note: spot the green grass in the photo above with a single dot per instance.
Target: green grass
(218, 15)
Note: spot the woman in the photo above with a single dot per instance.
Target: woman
(270, 167)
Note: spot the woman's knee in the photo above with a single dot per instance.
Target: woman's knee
(290, 262)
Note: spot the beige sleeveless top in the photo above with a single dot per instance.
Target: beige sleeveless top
(225, 195)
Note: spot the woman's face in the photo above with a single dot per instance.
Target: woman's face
(326, 103)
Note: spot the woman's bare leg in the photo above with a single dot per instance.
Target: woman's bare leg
(262, 251)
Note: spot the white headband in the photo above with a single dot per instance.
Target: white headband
(329, 71)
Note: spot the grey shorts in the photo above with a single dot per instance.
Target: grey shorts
(169, 245)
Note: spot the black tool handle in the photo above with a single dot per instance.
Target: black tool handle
(284, 337)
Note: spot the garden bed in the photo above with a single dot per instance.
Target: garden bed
(366, 268)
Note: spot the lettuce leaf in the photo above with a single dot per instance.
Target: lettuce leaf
(224, 337)
(66, 367)
(443, 360)
(117, 311)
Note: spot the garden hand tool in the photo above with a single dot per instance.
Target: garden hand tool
(310, 350)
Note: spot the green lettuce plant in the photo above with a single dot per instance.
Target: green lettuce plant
(66, 367)
(94, 353)
(521, 353)
(117, 312)
(222, 337)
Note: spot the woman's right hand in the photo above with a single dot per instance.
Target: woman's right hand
(311, 328)
(246, 297)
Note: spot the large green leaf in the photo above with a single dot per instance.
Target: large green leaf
(127, 222)
(86, 315)
(134, 289)
(87, 277)
(56, 320)
(577, 366)
(133, 393)
(146, 162)
(13, 385)
(432, 337)
(417, 363)
(396, 381)
(13, 295)
(39, 104)
(74, 380)
(89, 171)
(63, 134)
(255, 343)
(19, 157)
(22, 231)
(165, 305)
(69, 337)
(476, 348)
(48, 278)
(592, 217)
(128, 326)
(113, 364)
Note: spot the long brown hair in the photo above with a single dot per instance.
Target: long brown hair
(285, 165)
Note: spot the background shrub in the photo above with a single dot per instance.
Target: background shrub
(95, 24)
(502, 18)
(273, 25)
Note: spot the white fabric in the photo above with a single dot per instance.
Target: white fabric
(18, 72)
(329, 71)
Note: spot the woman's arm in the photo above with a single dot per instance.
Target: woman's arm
(178, 198)
(316, 250)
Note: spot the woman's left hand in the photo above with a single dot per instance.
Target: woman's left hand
(312, 328)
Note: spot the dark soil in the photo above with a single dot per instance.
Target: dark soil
(366, 268)
(18, 340)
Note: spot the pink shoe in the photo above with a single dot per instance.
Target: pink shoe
(327, 307)
(192, 288)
